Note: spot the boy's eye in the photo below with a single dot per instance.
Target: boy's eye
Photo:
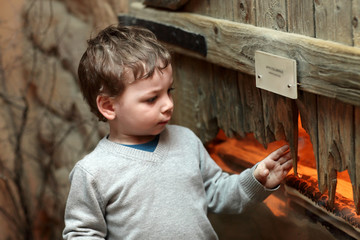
(151, 100)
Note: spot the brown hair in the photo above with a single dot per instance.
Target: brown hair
(110, 54)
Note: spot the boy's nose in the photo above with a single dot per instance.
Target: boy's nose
(168, 105)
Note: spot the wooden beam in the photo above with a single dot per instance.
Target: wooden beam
(324, 67)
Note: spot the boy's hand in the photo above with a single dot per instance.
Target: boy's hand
(274, 168)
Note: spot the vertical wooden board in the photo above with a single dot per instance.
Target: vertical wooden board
(193, 102)
(307, 105)
(324, 147)
(212, 8)
(333, 20)
(250, 98)
(343, 22)
(336, 139)
(281, 121)
(273, 130)
(280, 114)
(301, 21)
(356, 22)
(356, 185)
(271, 14)
(252, 112)
(301, 17)
(356, 40)
(222, 9)
(324, 19)
(244, 11)
(183, 94)
(266, 14)
(227, 100)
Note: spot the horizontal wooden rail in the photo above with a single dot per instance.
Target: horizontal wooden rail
(323, 67)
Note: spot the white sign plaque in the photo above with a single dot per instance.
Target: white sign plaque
(276, 74)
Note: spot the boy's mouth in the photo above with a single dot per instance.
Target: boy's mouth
(164, 122)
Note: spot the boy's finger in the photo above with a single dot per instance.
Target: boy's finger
(279, 152)
(287, 165)
(285, 158)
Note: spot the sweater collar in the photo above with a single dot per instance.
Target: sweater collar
(118, 149)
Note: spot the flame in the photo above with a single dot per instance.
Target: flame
(248, 149)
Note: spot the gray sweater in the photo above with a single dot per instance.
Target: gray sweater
(119, 192)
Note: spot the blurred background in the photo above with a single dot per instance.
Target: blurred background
(45, 126)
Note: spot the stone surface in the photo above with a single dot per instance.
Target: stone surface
(46, 125)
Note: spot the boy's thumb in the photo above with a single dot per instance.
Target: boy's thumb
(265, 173)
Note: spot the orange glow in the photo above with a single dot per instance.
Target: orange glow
(248, 150)
(307, 164)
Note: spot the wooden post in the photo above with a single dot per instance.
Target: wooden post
(356, 184)
(356, 40)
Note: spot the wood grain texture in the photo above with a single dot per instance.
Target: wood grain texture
(252, 109)
(336, 140)
(301, 21)
(307, 106)
(324, 67)
(333, 20)
(356, 185)
(335, 119)
(271, 14)
(355, 22)
(281, 121)
(227, 99)
(244, 11)
(301, 17)
(194, 106)
(280, 114)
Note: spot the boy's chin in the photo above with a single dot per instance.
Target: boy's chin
(155, 132)
(160, 130)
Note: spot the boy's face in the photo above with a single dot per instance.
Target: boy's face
(144, 108)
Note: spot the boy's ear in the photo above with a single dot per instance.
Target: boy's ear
(105, 106)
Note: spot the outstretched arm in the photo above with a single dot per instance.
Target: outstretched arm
(274, 168)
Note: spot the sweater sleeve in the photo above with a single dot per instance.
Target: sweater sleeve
(84, 213)
(229, 193)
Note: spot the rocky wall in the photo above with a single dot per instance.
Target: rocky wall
(45, 124)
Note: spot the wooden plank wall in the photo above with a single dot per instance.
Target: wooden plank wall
(355, 15)
(209, 97)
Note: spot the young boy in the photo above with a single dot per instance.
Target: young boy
(147, 179)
